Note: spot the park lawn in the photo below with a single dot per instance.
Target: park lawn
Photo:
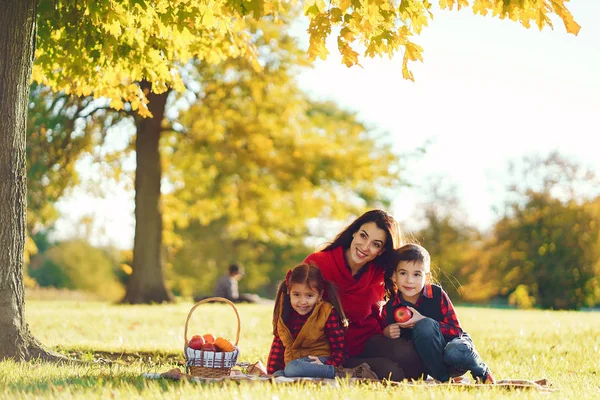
(563, 347)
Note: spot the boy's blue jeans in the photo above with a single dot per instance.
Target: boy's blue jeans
(443, 360)
(303, 367)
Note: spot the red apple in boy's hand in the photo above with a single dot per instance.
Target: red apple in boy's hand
(196, 342)
(402, 314)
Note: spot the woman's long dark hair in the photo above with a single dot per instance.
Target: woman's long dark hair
(384, 221)
(312, 277)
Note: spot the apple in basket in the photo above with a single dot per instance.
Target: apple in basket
(196, 342)
(402, 314)
(209, 347)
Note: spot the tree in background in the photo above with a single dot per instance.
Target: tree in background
(77, 265)
(447, 235)
(258, 158)
(207, 250)
(553, 252)
(551, 231)
(121, 42)
(302, 159)
(545, 251)
(61, 129)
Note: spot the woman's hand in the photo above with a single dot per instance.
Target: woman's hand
(315, 360)
(416, 317)
(392, 331)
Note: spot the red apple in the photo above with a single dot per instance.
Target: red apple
(196, 342)
(209, 347)
(402, 314)
(209, 338)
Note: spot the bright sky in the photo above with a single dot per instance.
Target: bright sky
(489, 91)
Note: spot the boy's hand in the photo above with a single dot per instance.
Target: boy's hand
(392, 331)
(417, 316)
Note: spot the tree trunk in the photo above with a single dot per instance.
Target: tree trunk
(17, 43)
(147, 283)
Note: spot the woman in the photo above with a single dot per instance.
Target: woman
(354, 262)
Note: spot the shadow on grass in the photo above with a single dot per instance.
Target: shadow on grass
(91, 381)
(96, 370)
(151, 358)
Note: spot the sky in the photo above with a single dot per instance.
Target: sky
(489, 91)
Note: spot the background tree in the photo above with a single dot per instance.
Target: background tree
(94, 29)
(258, 158)
(289, 136)
(61, 129)
(544, 251)
(551, 231)
(207, 250)
(77, 265)
(447, 235)
(553, 252)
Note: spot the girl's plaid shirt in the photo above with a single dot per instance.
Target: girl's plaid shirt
(333, 330)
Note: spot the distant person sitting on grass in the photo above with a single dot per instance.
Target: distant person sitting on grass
(446, 350)
(227, 287)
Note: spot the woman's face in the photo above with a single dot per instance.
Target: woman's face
(368, 242)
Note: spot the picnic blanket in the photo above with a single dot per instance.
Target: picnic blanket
(254, 372)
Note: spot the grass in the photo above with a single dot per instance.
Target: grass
(560, 346)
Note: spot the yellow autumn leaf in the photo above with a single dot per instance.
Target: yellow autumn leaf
(345, 5)
(208, 19)
(570, 25)
(349, 56)
(116, 103)
(317, 48)
(114, 28)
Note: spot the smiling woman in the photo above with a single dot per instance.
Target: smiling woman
(354, 264)
(367, 244)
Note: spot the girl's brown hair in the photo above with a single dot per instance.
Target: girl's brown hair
(312, 277)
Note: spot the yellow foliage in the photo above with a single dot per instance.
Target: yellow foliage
(260, 159)
(118, 43)
(126, 269)
(521, 298)
(30, 249)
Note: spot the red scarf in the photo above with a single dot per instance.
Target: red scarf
(362, 300)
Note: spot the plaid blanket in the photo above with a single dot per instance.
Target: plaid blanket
(255, 372)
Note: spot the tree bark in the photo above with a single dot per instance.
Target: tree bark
(147, 284)
(17, 44)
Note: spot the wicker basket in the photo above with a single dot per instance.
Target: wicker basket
(210, 364)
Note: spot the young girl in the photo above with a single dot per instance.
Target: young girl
(446, 350)
(309, 332)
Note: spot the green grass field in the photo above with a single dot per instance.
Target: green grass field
(563, 347)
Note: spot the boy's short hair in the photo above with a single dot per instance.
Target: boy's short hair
(236, 269)
(411, 253)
